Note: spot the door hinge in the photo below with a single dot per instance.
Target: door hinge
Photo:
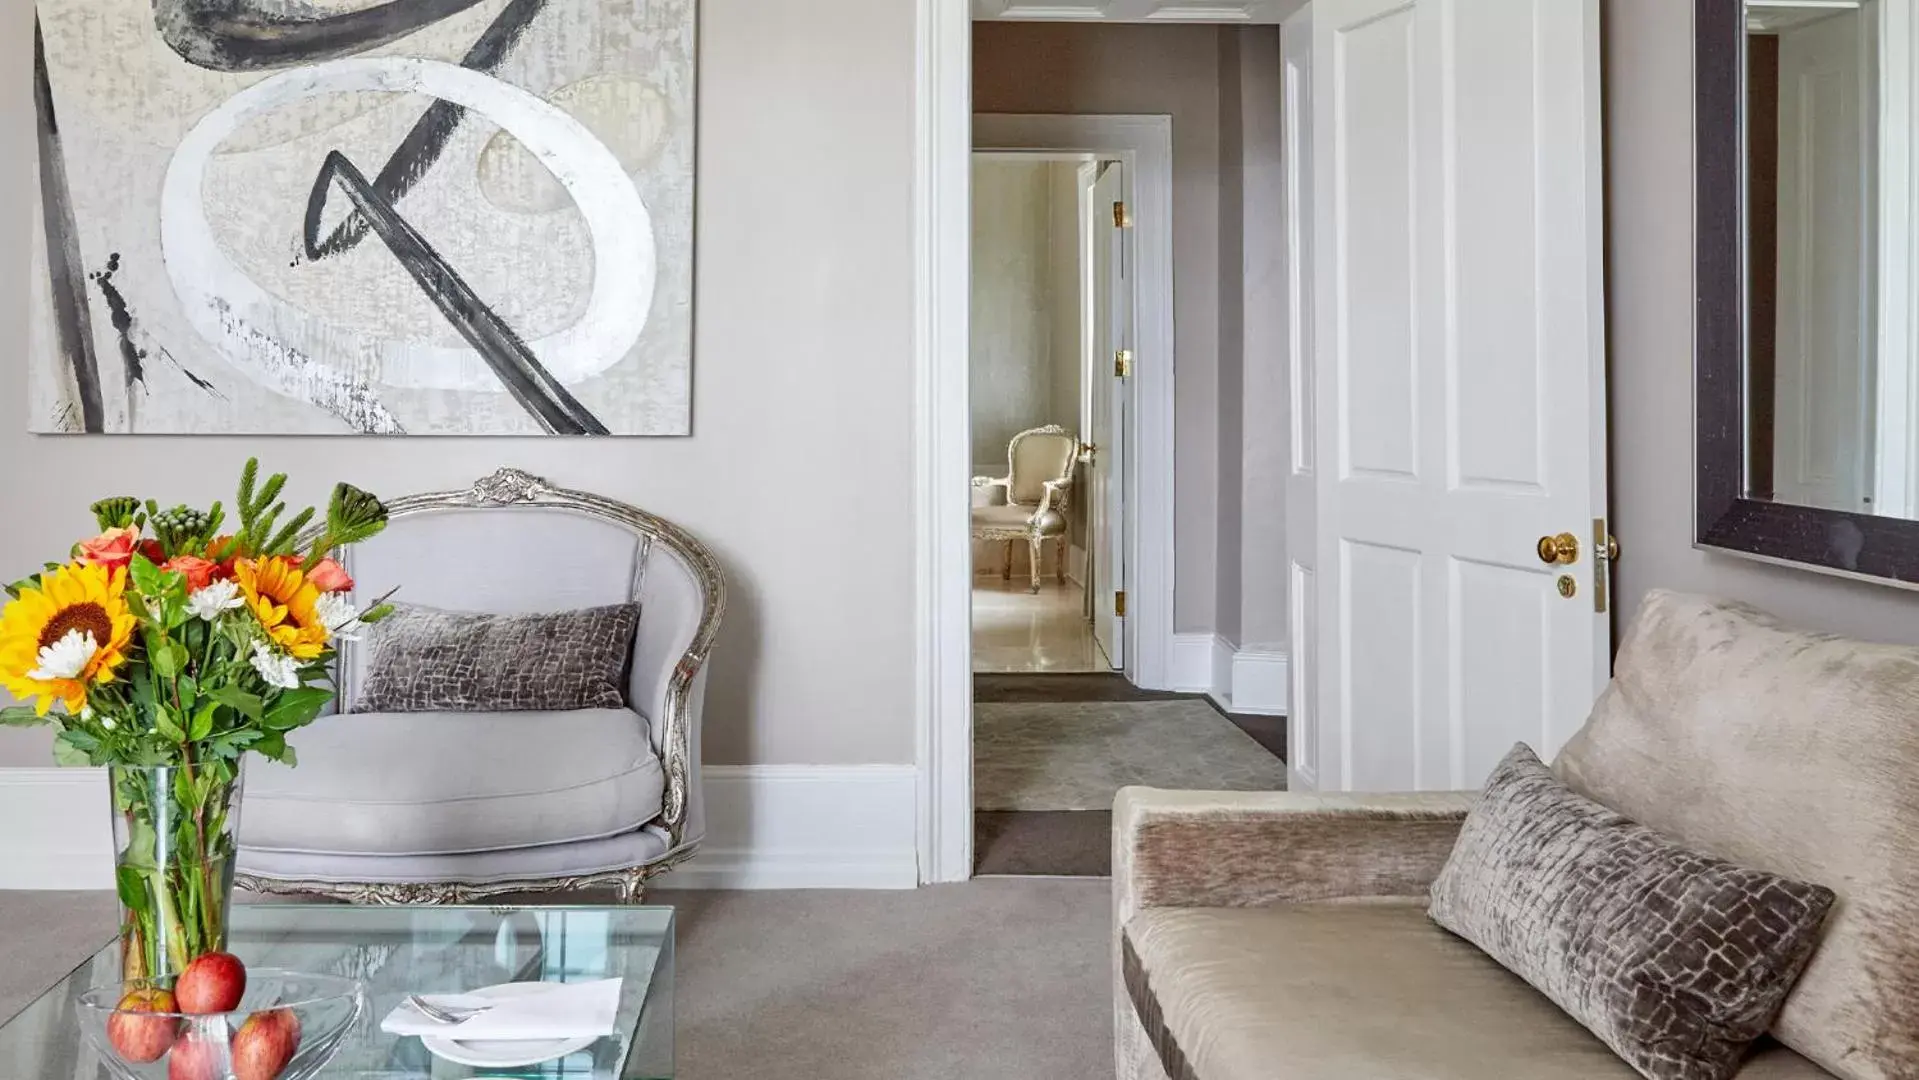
(1122, 217)
(1123, 363)
(1119, 604)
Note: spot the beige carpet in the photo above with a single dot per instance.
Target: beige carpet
(1077, 755)
(994, 978)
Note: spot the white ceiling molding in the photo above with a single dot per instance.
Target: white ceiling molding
(1138, 11)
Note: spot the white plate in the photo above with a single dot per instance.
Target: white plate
(504, 1054)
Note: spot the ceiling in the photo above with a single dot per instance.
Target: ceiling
(1138, 11)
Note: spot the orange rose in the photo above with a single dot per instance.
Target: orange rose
(112, 549)
(199, 572)
(329, 576)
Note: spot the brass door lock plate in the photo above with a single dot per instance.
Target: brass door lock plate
(1568, 587)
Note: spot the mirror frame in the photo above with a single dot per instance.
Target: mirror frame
(1882, 549)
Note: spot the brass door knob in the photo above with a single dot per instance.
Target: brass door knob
(1561, 550)
(1086, 451)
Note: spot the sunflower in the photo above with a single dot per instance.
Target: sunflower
(70, 633)
(285, 602)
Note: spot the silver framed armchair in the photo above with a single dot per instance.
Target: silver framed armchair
(1033, 499)
(446, 807)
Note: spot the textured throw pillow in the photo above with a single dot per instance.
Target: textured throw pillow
(1677, 960)
(424, 660)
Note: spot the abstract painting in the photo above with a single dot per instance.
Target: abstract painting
(421, 217)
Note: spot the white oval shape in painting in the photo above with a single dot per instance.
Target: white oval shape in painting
(259, 332)
(628, 115)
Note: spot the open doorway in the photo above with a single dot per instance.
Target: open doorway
(1054, 740)
(1050, 309)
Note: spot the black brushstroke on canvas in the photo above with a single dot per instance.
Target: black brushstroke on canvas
(240, 35)
(72, 322)
(528, 380)
(192, 377)
(130, 355)
(424, 144)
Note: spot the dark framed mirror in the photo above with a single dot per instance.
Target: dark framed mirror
(1806, 343)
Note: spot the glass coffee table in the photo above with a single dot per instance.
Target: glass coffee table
(396, 951)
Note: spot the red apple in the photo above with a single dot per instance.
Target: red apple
(212, 983)
(195, 1057)
(264, 1044)
(142, 1038)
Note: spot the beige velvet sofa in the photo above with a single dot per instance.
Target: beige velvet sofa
(1283, 936)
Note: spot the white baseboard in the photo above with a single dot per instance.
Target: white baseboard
(767, 827)
(1260, 682)
(1191, 663)
(806, 827)
(1255, 681)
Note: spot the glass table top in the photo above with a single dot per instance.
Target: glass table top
(396, 951)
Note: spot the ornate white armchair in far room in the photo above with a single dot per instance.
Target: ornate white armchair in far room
(448, 807)
(1038, 488)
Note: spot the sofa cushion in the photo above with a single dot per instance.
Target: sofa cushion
(1337, 991)
(1792, 752)
(1677, 960)
(447, 783)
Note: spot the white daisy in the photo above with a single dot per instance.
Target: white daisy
(276, 667)
(66, 658)
(338, 615)
(218, 597)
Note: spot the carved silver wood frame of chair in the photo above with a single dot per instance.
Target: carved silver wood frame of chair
(1038, 488)
(685, 600)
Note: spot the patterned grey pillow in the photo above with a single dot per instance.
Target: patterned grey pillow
(421, 659)
(1678, 961)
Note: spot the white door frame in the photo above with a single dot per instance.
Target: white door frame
(943, 690)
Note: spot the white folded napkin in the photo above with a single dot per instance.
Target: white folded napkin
(562, 1011)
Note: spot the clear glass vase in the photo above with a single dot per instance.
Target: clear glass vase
(174, 833)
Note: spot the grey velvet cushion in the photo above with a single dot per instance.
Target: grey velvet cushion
(450, 783)
(1676, 960)
(1354, 991)
(423, 659)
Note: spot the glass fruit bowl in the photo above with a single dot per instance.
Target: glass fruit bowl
(287, 1027)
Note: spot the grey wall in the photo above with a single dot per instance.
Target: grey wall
(1650, 224)
(1233, 213)
(802, 385)
(1260, 420)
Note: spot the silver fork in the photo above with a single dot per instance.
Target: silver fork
(445, 1014)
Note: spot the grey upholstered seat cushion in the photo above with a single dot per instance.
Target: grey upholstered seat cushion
(1339, 991)
(449, 783)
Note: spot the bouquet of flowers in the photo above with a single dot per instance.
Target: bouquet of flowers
(166, 649)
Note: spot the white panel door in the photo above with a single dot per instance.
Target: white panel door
(1110, 315)
(1823, 424)
(1458, 362)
